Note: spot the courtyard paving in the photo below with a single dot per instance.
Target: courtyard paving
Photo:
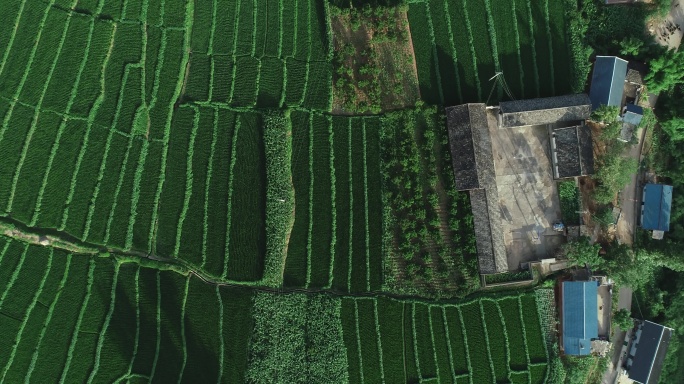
(527, 193)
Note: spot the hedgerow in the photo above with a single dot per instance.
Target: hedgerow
(279, 193)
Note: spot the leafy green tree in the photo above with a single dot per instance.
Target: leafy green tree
(623, 319)
(674, 128)
(581, 251)
(605, 114)
(666, 72)
(632, 46)
(614, 172)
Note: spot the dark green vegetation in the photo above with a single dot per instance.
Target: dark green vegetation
(76, 318)
(296, 339)
(508, 277)
(81, 318)
(402, 341)
(569, 196)
(336, 240)
(459, 45)
(191, 147)
(432, 249)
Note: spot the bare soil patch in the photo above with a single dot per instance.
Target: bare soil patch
(375, 69)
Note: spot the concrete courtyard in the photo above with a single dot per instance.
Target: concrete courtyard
(528, 197)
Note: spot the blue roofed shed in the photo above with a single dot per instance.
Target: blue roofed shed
(608, 81)
(630, 121)
(655, 207)
(580, 316)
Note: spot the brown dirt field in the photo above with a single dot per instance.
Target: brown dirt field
(391, 58)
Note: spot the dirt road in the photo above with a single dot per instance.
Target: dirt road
(631, 196)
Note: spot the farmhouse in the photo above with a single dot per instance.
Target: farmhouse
(542, 111)
(572, 151)
(608, 81)
(655, 208)
(508, 158)
(471, 148)
(579, 316)
(647, 352)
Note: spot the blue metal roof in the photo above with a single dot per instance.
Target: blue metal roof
(633, 114)
(580, 316)
(608, 81)
(655, 207)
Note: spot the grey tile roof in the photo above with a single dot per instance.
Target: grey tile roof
(573, 153)
(586, 147)
(650, 353)
(470, 144)
(546, 110)
(491, 251)
(567, 152)
(473, 162)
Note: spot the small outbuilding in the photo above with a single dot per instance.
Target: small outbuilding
(655, 207)
(647, 352)
(542, 111)
(608, 81)
(579, 317)
(631, 118)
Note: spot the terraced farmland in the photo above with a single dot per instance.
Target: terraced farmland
(179, 203)
(336, 240)
(75, 318)
(397, 341)
(79, 318)
(460, 44)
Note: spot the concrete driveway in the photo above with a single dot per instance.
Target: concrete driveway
(528, 196)
(624, 302)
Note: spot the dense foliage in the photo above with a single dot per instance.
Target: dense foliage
(429, 222)
(296, 339)
(569, 196)
(279, 195)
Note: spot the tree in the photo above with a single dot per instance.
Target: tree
(623, 319)
(605, 114)
(674, 128)
(631, 46)
(581, 251)
(666, 72)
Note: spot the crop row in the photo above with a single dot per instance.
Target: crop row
(244, 52)
(402, 341)
(430, 248)
(94, 126)
(97, 319)
(336, 237)
(224, 234)
(459, 44)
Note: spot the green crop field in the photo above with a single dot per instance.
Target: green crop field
(78, 318)
(396, 341)
(460, 44)
(181, 201)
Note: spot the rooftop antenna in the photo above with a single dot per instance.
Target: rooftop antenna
(499, 78)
